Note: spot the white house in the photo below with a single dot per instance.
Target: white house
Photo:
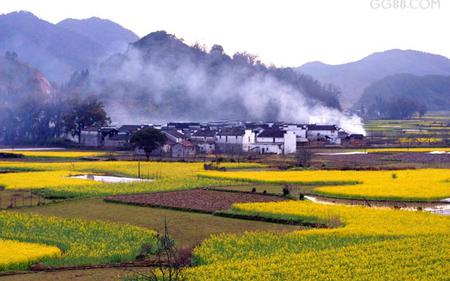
(275, 141)
(328, 133)
(299, 130)
(234, 140)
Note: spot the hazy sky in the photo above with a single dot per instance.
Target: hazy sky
(282, 32)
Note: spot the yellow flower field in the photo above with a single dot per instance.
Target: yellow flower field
(420, 184)
(36, 180)
(406, 149)
(82, 242)
(52, 177)
(372, 244)
(19, 255)
(54, 153)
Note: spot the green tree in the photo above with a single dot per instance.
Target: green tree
(84, 113)
(148, 139)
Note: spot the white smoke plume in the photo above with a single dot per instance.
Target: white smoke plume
(154, 86)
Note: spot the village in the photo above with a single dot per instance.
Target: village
(187, 139)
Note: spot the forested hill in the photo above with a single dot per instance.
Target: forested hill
(20, 82)
(352, 78)
(402, 95)
(162, 78)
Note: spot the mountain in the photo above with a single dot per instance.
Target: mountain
(53, 49)
(160, 78)
(352, 78)
(112, 36)
(21, 82)
(402, 95)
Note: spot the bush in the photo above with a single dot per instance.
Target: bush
(286, 190)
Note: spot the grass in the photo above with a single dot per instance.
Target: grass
(19, 198)
(188, 229)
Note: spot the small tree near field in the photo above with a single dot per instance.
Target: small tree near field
(303, 157)
(148, 139)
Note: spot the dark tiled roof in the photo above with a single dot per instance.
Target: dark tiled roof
(271, 133)
(174, 133)
(322, 127)
(204, 133)
(131, 128)
(231, 132)
(183, 125)
(91, 129)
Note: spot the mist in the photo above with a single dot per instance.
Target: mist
(161, 79)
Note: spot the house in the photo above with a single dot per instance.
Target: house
(205, 140)
(299, 130)
(275, 141)
(91, 137)
(184, 125)
(174, 135)
(183, 149)
(234, 140)
(120, 138)
(327, 133)
(354, 140)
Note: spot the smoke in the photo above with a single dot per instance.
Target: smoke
(170, 81)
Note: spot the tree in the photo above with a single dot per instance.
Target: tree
(303, 157)
(148, 139)
(84, 113)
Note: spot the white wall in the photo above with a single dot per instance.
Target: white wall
(248, 139)
(290, 142)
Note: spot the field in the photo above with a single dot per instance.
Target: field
(358, 243)
(82, 242)
(19, 255)
(420, 184)
(194, 200)
(357, 250)
(53, 178)
(60, 154)
(431, 129)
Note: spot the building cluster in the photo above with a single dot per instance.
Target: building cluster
(185, 139)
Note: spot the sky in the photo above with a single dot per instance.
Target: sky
(281, 32)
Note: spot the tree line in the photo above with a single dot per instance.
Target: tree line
(39, 122)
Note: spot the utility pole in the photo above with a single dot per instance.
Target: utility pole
(139, 168)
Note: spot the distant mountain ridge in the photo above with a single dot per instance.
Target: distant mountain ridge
(402, 95)
(109, 34)
(56, 50)
(352, 78)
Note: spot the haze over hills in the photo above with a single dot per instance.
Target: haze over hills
(162, 78)
(56, 50)
(352, 78)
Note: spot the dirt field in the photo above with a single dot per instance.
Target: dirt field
(196, 199)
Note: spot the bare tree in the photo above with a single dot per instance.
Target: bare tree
(303, 157)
